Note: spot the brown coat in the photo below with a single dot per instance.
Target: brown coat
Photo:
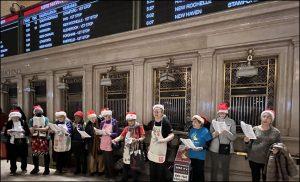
(280, 166)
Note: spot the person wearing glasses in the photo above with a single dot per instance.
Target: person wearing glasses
(161, 134)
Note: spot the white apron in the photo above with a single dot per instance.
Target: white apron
(40, 123)
(62, 143)
(157, 151)
(126, 155)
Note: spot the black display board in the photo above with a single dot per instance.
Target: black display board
(9, 36)
(154, 12)
(58, 22)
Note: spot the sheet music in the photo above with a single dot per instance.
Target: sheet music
(248, 130)
(83, 134)
(38, 121)
(58, 129)
(17, 129)
(99, 132)
(220, 126)
(17, 132)
(190, 144)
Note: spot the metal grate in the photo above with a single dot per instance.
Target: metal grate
(175, 96)
(247, 108)
(249, 96)
(116, 97)
(73, 95)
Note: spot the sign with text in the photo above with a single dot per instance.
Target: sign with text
(181, 165)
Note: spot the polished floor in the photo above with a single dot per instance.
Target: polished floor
(68, 176)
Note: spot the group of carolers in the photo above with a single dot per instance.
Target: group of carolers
(92, 153)
(95, 153)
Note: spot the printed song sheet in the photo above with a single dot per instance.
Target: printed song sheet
(190, 144)
(99, 132)
(248, 130)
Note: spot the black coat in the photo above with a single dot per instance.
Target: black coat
(9, 126)
(12, 153)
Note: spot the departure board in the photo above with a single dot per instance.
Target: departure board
(60, 22)
(155, 12)
(9, 36)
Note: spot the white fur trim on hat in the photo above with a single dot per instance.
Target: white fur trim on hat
(15, 114)
(92, 116)
(106, 112)
(199, 118)
(131, 117)
(224, 111)
(269, 112)
(159, 106)
(61, 113)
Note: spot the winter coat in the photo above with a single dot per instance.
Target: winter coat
(226, 138)
(280, 166)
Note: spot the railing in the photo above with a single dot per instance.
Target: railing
(175, 110)
(247, 108)
(119, 108)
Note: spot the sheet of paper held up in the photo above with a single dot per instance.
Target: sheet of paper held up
(57, 129)
(38, 121)
(219, 126)
(84, 134)
(248, 130)
(99, 132)
(190, 144)
(18, 129)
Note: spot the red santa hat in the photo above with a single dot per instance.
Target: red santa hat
(14, 113)
(60, 113)
(106, 112)
(91, 114)
(269, 111)
(37, 107)
(223, 107)
(131, 116)
(199, 118)
(159, 106)
(79, 114)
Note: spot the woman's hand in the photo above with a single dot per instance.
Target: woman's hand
(9, 132)
(246, 139)
(215, 134)
(51, 131)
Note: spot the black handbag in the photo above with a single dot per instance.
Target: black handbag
(137, 157)
(224, 149)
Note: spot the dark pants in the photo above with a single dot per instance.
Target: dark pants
(108, 164)
(217, 159)
(197, 170)
(127, 170)
(20, 149)
(256, 171)
(61, 160)
(80, 155)
(158, 171)
(35, 160)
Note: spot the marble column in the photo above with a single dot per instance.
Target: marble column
(205, 72)
(294, 130)
(138, 88)
(20, 92)
(50, 95)
(87, 91)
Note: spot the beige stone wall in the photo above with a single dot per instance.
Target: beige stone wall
(5, 5)
(205, 42)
